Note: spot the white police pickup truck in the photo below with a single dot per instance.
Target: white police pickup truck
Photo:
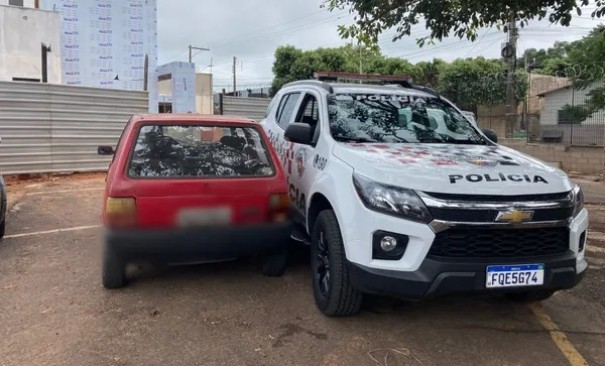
(401, 195)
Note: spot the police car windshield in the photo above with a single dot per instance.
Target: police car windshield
(395, 118)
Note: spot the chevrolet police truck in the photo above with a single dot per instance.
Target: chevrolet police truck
(401, 195)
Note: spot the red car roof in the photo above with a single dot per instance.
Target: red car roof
(191, 117)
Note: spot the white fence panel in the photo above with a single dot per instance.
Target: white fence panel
(253, 108)
(57, 128)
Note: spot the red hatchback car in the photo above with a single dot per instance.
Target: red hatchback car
(193, 188)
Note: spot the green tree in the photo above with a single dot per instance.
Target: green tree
(429, 72)
(293, 64)
(473, 82)
(546, 59)
(587, 60)
(462, 18)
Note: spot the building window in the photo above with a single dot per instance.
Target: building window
(564, 117)
(165, 108)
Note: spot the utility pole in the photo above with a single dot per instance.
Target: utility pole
(234, 75)
(526, 103)
(191, 48)
(511, 112)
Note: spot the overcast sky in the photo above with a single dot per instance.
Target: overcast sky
(251, 30)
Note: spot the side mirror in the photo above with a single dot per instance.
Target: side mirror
(299, 133)
(491, 134)
(105, 150)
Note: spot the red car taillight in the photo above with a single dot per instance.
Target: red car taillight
(279, 204)
(120, 212)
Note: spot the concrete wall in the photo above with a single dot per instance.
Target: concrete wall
(203, 94)
(583, 159)
(539, 84)
(22, 31)
(493, 118)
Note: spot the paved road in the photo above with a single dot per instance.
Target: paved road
(53, 310)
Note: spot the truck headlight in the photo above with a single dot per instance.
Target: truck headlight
(391, 200)
(578, 200)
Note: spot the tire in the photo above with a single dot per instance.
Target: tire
(332, 289)
(274, 265)
(114, 269)
(2, 228)
(531, 296)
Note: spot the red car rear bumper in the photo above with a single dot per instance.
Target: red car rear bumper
(186, 245)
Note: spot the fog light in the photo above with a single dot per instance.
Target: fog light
(388, 246)
(582, 242)
(388, 243)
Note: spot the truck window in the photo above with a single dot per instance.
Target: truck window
(398, 119)
(309, 112)
(195, 151)
(286, 108)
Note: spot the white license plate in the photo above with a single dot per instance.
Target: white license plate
(204, 217)
(515, 275)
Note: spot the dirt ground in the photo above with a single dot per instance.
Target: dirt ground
(54, 311)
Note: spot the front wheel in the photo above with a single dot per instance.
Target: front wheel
(332, 289)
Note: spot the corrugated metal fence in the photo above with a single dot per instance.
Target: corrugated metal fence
(57, 128)
(253, 108)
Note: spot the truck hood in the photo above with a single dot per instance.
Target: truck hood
(456, 169)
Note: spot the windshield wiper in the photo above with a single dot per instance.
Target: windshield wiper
(464, 142)
(450, 140)
(354, 139)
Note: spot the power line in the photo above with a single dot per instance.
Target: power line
(275, 32)
(289, 21)
(477, 43)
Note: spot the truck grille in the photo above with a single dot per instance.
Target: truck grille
(461, 215)
(500, 243)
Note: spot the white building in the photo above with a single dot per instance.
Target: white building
(23, 32)
(182, 90)
(556, 122)
(105, 43)
(555, 100)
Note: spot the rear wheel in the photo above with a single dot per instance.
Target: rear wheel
(114, 269)
(531, 296)
(2, 228)
(274, 264)
(332, 289)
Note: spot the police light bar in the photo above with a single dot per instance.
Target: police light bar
(333, 76)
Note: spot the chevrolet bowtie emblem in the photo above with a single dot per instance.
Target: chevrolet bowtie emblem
(514, 216)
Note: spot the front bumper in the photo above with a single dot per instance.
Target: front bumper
(436, 278)
(189, 245)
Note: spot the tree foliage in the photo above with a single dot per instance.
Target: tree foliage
(473, 82)
(467, 82)
(582, 61)
(293, 64)
(462, 18)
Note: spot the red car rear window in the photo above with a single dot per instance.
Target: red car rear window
(196, 151)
